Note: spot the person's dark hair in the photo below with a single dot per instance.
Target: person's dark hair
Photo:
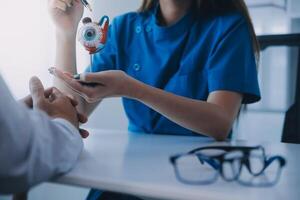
(217, 7)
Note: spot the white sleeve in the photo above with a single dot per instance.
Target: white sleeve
(33, 148)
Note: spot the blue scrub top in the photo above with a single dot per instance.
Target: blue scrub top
(192, 58)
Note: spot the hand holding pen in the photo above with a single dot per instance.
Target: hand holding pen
(66, 15)
(65, 4)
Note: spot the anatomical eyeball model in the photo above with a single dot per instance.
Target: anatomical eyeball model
(92, 35)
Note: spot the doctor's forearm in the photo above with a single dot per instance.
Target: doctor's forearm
(66, 61)
(66, 53)
(199, 116)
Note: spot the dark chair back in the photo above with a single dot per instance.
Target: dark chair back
(291, 129)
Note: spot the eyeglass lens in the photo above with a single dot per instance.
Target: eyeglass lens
(193, 169)
(269, 176)
(231, 165)
(256, 161)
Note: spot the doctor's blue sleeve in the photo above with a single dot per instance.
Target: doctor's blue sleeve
(106, 58)
(232, 64)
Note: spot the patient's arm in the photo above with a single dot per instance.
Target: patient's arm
(33, 147)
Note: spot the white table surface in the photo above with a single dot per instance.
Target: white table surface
(139, 164)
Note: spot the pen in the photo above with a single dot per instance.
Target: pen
(77, 77)
(86, 4)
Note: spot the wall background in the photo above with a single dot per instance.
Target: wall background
(27, 48)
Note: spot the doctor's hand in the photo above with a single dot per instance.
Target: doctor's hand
(112, 83)
(66, 15)
(56, 104)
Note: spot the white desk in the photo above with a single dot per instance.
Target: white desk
(139, 164)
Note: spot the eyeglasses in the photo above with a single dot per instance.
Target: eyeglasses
(248, 166)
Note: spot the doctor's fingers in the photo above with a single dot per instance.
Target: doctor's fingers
(92, 77)
(36, 90)
(61, 4)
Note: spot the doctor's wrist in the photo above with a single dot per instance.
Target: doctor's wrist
(135, 90)
(65, 37)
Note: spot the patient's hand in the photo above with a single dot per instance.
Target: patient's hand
(55, 104)
(28, 99)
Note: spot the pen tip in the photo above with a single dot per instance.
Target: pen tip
(90, 8)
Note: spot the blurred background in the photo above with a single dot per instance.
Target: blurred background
(28, 44)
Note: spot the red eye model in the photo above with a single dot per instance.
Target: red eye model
(93, 35)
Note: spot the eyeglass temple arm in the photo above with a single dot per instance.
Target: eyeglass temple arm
(228, 148)
(269, 161)
(210, 161)
(203, 159)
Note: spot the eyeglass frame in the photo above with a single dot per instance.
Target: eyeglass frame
(244, 161)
